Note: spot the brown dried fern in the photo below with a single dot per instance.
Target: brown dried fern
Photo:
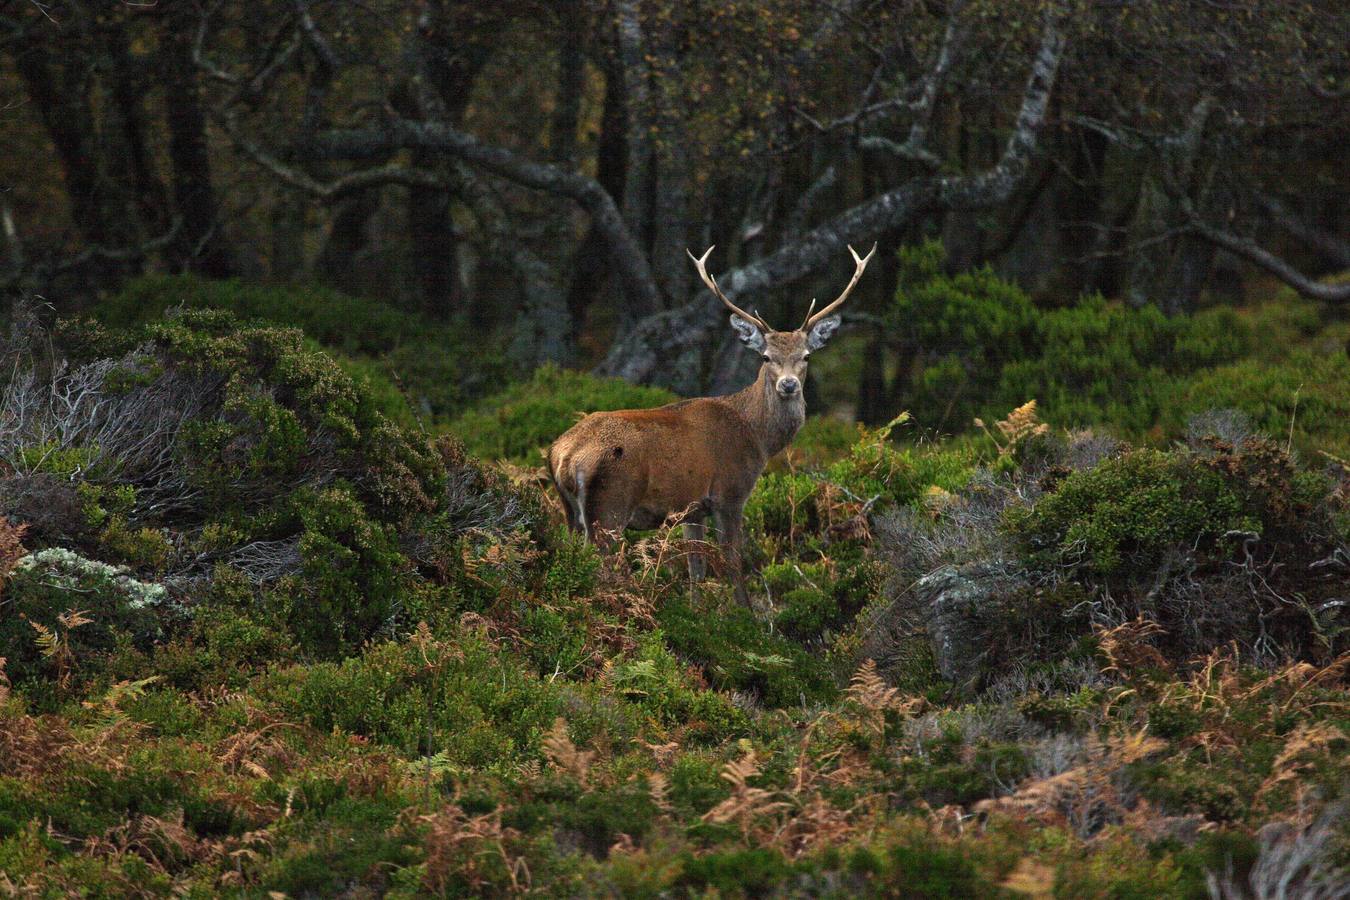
(747, 803)
(874, 697)
(564, 755)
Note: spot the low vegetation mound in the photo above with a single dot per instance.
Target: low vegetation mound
(521, 421)
(258, 637)
(975, 345)
(440, 368)
(197, 442)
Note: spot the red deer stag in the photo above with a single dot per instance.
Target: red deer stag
(699, 457)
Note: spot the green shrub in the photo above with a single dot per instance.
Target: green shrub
(737, 654)
(372, 379)
(335, 319)
(1123, 515)
(600, 816)
(1089, 363)
(1120, 868)
(932, 871)
(514, 424)
(169, 713)
(655, 681)
(39, 633)
(353, 576)
(783, 504)
(814, 598)
(735, 873)
(343, 842)
(466, 701)
(276, 453)
(876, 470)
(1182, 788)
(282, 411)
(231, 638)
(822, 439)
(1302, 397)
(440, 367)
(1100, 363)
(797, 514)
(142, 548)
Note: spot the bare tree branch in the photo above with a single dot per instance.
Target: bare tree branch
(315, 37)
(543, 328)
(328, 191)
(801, 211)
(25, 274)
(400, 134)
(644, 354)
(1257, 255)
(1329, 245)
(915, 146)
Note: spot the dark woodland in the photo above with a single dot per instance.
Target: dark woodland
(1049, 596)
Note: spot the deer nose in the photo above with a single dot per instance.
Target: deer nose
(788, 385)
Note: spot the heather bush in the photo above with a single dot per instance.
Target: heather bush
(323, 654)
(979, 346)
(62, 611)
(1120, 518)
(352, 577)
(439, 368)
(260, 452)
(516, 423)
(983, 347)
(735, 653)
(1300, 399)
(1217, 543)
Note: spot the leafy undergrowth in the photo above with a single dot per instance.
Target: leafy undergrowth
(259, 639)
(413, 366)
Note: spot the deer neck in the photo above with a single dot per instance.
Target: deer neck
(773, 419)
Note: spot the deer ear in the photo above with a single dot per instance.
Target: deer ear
(821, 332)
(748, 332)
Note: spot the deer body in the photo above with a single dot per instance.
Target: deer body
(699, 458)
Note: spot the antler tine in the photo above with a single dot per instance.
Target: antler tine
(701, 264)
(859, 265)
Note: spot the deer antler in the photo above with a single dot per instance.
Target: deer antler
(711, 282)
(860, 264)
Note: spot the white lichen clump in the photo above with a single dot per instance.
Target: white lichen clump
(70, 569)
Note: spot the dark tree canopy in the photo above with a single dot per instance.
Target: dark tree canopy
(537, 170)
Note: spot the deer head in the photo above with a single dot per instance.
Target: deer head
(784, 353)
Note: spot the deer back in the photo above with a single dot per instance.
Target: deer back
(662, 460)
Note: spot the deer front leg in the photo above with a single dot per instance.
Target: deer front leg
(696, 531)
(731, 532)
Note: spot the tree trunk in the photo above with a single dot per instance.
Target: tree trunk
(340, 262)
(286, 259)
(434, 250)
(127, 87)
(644, 353)
(590, 263)
(656, 195)
(671, 188)
(571, 82)
(640, 169)
(66, 113)
(201, 246)
(873, 402)
(449, 68)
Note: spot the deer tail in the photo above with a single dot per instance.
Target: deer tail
(575, 475)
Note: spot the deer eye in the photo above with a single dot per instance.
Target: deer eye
(765, 357)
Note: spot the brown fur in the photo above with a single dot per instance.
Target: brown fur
(697, 457)
(700, 457)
